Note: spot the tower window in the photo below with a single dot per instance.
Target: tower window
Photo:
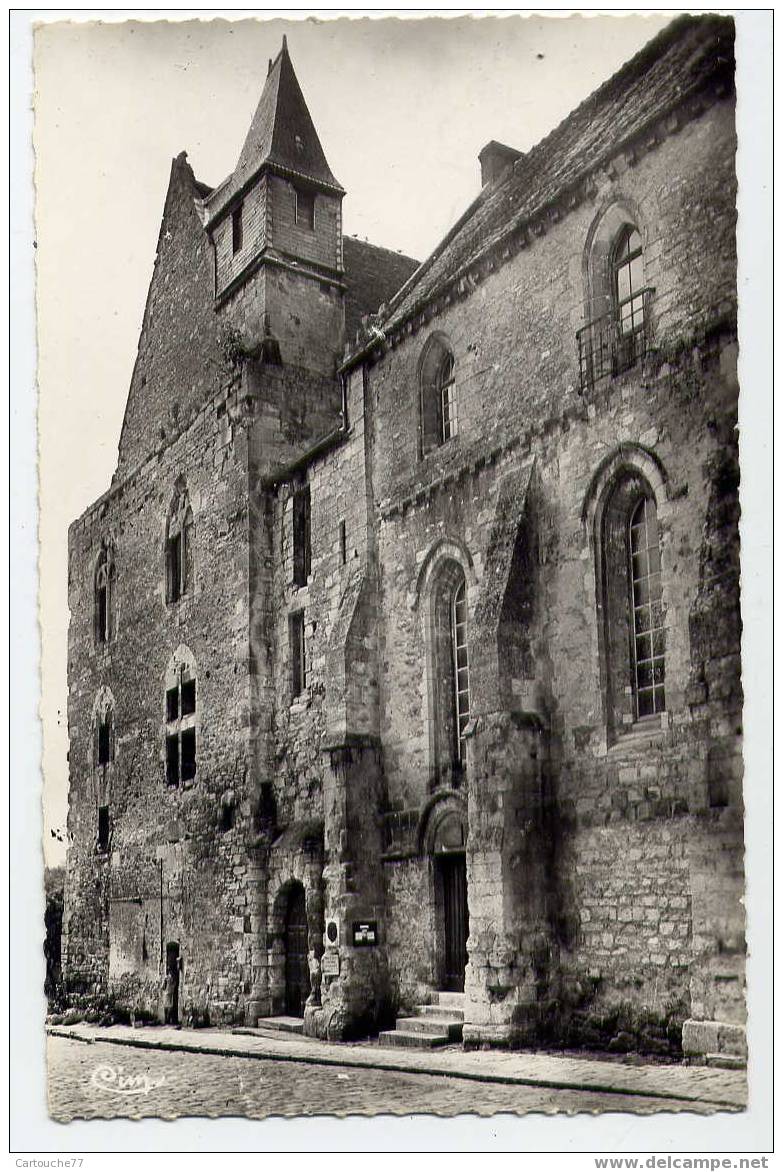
(104, 596)
(179, 544)
(343, 541)
(237, 230)
(181, 729)
(301, 536)
(304, 209)
(103, 828)
(296, 636)
(104, 740)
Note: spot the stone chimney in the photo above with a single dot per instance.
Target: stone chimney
(495, 159)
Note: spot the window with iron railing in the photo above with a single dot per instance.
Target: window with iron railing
(616, 341)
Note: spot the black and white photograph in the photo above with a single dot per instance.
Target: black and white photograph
(392, 513)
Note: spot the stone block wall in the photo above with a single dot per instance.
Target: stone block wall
(176, 856)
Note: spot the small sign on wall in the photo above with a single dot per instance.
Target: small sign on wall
(365, 933)
(330, 964)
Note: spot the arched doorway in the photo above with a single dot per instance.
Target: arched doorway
(451, 901)
(297, 973)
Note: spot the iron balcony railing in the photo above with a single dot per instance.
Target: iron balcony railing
(615, 341)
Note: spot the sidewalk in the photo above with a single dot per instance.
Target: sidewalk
(723, 1088)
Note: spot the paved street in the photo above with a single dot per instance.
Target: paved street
(91, 1080)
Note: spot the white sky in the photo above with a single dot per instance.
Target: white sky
(402, 107)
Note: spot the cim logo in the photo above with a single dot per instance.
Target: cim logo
(114, 1080)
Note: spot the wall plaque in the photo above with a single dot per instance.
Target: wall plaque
(365, 933)
(330, 964)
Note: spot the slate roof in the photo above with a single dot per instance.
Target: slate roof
(372, 276)
(691, 54)
(281, 134)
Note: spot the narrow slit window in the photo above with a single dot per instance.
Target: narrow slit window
(297, 648)
(301, 536)
(649, 634)
(104, 597)
(237, 230)
(343, 544)
(104, 742)
(103, 828)
(179, 548)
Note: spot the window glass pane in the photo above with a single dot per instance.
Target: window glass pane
(645, 704)
(188, 697)
(172, 760)
(188, 754)
(172, 703)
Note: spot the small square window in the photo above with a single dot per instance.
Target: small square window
(237, 230)
(305, 209)
(172, 704)
(188, 697)
(188, 754)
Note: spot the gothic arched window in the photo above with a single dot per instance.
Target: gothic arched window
(179, 547)
(628, 280)
(649, 635)
(632, 598)
(438, 395)
(449, 670)
(181, 718)
(104, 596)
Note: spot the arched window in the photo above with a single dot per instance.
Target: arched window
(449, 670)
(628, 293)
(438, 395)
(632, 601)
(617, 309)
(104, 595)
(181, 719)
(649, 635)
(179, 545)
(459, 642)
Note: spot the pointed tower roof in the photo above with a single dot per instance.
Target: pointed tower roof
(281, 135)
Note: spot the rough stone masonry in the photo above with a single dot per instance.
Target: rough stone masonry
(404, 652)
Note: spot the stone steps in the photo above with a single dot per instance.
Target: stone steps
(283, 1024)
(432, 1025)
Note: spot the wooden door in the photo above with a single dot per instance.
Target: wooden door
(297, 972)
(455, 915)
(171, 994)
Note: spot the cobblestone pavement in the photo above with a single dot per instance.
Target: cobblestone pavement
(98, 1080)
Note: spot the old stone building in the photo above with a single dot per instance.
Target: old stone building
(404, 652)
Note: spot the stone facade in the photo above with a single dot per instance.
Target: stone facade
(447, 681)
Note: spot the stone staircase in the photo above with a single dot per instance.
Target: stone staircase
(435, 1024)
